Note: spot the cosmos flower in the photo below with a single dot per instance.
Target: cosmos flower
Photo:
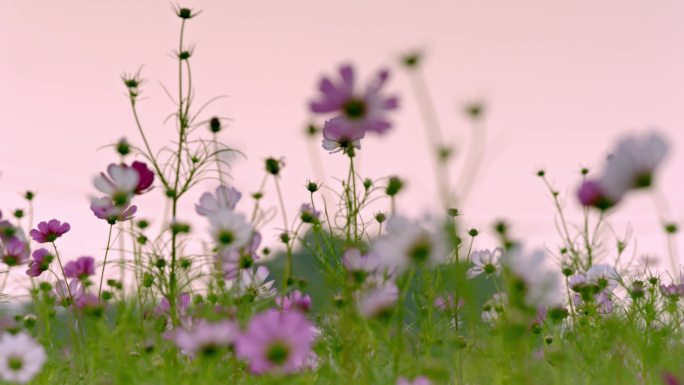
(308, 214)
(420, 380)
(49, 231)
(407, 243)
(294, 301)
(64, 293)
(494, 307)
(276, 342)
(226, 198)
(541, 283)
(145, 177)
(104, 208)
(361, 111)
(120, 183)
(40, 262)
(205, 337)
(21, 357)
(16, 252)
(380, 301)
(603, 276)
(485, 261)
(232, 260)
(359, 266)
(230, 229)
(254, 283)
(81, 268)
(338, 136)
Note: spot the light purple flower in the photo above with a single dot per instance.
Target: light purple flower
(81, 268)
(205, 337)
(485, 261)
(308, 214)
(380, 301)
(226, 198)
(592, 193)
(232, 260)
(338, 136)
(120, 183)
(39, 263)
(64, 294)
(363, 110)
(672, 291)
(409, 243)
(104, 208)
(89, 303)
(420, 380)
(358, 265)
(276, 342)
(254, 283)
(295, 301)
(16, 252)
(49, 231)
(448, 303)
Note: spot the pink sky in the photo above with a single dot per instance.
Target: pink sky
(562, 81)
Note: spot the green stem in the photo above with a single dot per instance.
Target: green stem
(104, 264)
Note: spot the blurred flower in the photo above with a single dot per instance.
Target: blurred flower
(308, 214)
(420, 380)
(485, 261)
(338, 136)
(231, 260)
(120, 183)
(49, 231)
(226, 198)
(145, 177)
(541, 284)
(591, 193)
(81, 268)
(64, 293)
(494, 307)
(253, 282)
(603, 276)
(448, 303)
(359, 266)
(104, 208)
(39, 263)
(205, 337)
(21, 357)
(295, 301)
(407, 243)
(230, 229)
(16, 252)
(276, 342)
(380, 301)
(359, 111)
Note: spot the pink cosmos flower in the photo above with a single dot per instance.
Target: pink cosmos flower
(104, 208)
(39, 263)
(295, 301)
(120, 183)
(308, 214)
(226, 198)
(359, 266)
(592, 193)
(232, 260)
(359, 110)
(230, 229)
(49, 231)
(380, 301)
(338, 136)
(89, 303)
(255, 283)
(420, 380)
(81, 268)
(276, 342)
(16, 252)
(64, 293)
(145, 177)
(205, 337)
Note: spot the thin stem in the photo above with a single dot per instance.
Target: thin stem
(104, 264)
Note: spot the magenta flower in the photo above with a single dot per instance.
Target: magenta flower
(49, 231)
(205, 337)
(81, 268)
(591, 193)
(226, 198)
(104, 208)
(39, 263)
(360, 110)
(276, 342)
(145, 177)
(295, 301)
(16, 252)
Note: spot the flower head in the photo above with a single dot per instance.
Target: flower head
(39, 263)
(359, 110)
(420, 380)
(21, 357)
(104, 208)
(230, 229)
(232, 260)
(205, 337)
(541, 285)
(338, 136)
(276, 342)
(308, 213)
(407, 243)
(81, 268)
(145, 177)
(485, 261)
(226, 198)
(380, 301)
(295, 301)
(254, 283)
(49, 231)
(16, 252)
(67, 294)
(120, 183)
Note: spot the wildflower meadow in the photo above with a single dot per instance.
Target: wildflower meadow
(350, 290)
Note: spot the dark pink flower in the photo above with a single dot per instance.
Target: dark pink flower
(276, 342)
(16, 252)
(39, 263)
(81, 268)
(104, 208)
(591, 193)
(49, 231)
(145, 177)
(365, 110)
(295, 301)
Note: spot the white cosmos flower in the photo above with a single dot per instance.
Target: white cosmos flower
(633, 164)
(21, 358)
(603, 276)
(255, 282)
(119, 183)
(485, 261)
(494, 307)
(226, 198)
(542, 283)
(407, 243)
(230, 229)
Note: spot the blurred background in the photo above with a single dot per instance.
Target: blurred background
(561, 82)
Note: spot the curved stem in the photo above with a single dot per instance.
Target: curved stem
(104, 264)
